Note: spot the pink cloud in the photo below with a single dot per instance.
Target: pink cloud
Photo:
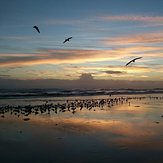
(137, 18)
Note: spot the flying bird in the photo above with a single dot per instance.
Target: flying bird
(133, 60)
(67, 39)
(36, 28)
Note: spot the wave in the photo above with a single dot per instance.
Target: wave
(22, 93)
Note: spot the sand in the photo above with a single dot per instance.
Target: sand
(129, 132)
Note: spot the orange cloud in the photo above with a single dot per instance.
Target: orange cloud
(56, 57)
(121, 68)
(59, 57)
(137, 38)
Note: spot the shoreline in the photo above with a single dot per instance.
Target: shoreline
(51, 95)
(70, 105)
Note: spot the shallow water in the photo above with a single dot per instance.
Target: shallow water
(130, 132)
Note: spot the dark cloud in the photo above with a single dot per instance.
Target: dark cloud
(114, 72)
(68, 75)
(86, 77)
(3, 76)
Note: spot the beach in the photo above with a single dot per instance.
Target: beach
(81, 81)
(60, 129)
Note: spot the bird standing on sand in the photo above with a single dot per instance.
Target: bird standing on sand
(36, 28)
(67, 39)
(133, 60)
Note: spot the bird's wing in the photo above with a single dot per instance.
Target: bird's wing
(137, 58)
(70, 38)
(38, 30)
(129, 62)
(133, 60)
(64, 41)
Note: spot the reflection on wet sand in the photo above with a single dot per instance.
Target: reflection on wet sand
(121, 132)
(69, 106)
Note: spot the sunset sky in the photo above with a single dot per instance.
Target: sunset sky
(106, 35)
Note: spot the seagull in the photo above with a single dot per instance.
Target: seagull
(67, 39)
(133, 60)
(36, 28)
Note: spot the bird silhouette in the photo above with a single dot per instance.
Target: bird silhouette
(67, 39)
(133, 60)
(36, 28)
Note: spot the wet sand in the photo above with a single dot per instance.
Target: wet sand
(131, 131)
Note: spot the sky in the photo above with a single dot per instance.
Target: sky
(106, 34)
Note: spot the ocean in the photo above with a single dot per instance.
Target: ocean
(24, 93)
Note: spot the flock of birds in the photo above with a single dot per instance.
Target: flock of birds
(68, 39)
(71, 106)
